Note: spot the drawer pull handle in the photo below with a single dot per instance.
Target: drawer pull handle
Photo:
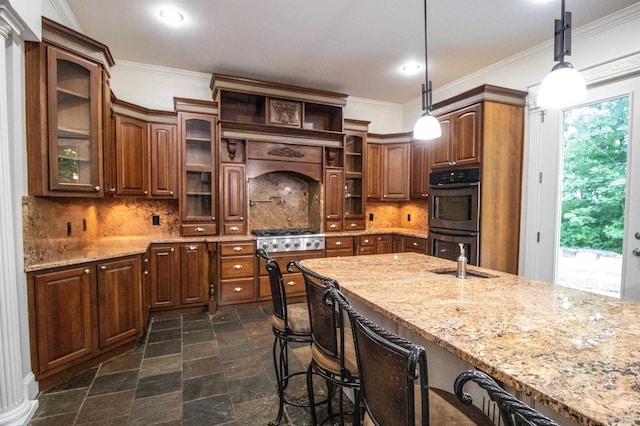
(415, 244)
(366, 241)
(234, 228)
(192, 248)
(333, 225)
(199, 229)
(87, 271)
(237, 266)
(338, 243)
(103, 268)
(353, 225)
(237, 248)
(238, 289)
(291, 283)
(97, 187)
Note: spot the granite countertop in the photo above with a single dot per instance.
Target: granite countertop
(58, 254)
(577, 352)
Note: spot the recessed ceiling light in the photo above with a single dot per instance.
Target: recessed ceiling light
(171, 15)
(411, 68)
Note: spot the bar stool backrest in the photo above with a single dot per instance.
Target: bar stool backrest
(276, 282)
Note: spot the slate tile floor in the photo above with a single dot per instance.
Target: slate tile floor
(195, 369)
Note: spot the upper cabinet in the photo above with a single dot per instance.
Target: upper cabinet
(388, 167)
(420, 168)
(65, 104)
(459, 144)
(355, 149)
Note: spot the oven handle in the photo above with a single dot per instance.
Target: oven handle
(453, 185)
(452, 232)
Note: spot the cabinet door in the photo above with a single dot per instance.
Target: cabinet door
(354, 155)
(74, 96)
(164, 276)
(467, 127)
(132, 156)
(164, 161)
(383, 244)
(118, 301)
(198, 145)
(334, 194)
(194, 284)
(233, 198)
(374, 172)
(420, 168)
(63, 301)
(441, 149)
(395, 172)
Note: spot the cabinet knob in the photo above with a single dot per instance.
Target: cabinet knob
(234, 228)
(237, 266)
(112, 190)
(241, 218)
(338, 243)
(192, 248)
(172, 249)
(170, 192)
(213, 218)
(97, 188)
(103, 268)
(146, 272)
(384, 196)
(87, 271)
(237, 289)
(291, 283)
(415, 244)
(237, 248)
(146, 192)
(199, 229)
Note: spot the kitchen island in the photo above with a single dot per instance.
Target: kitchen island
(572, 354)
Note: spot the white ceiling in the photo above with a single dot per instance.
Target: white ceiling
(354, 47)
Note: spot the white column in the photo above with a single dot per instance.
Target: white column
(15, 406)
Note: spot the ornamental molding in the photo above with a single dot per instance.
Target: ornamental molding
(285, 151)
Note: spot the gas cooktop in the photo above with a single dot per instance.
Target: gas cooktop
(292, 239)
(283, 232)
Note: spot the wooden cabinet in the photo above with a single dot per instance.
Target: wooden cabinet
(64, 113)
(179, 275)
(354, 179)
(459, 144)
(333, 199)
(486, 129)
(132, 156)
(78, 314)
(233, 199)
(388, 172)
(415, 244)
(294, 282)
(420, 169)
(198, 200)
(164, 161)
(374, 244)
(119, 296)
(383, 244)
(338, 246)
(237, 268)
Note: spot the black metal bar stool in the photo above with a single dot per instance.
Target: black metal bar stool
(290, 323)
(332, 352)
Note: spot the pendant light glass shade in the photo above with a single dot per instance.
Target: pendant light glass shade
(562, 87)
(427, 127)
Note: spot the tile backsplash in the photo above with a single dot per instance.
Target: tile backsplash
(397, 214)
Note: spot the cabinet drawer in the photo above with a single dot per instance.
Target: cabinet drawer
(366, 250)
(340, 252)
(237, 291)
(200, 229)
(338, 242)
(418, 245)
(237, 267)
(331, 226)
(294, 285)
(354, 224)
(235, 249)
(234, 229)
(367, 240)
(284, 258)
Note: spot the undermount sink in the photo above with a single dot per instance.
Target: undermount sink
(471, 274)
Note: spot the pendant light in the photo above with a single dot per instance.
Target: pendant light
(427, 127)
(564, 85)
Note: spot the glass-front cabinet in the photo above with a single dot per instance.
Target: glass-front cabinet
(353, 153)
(65, 109)
(199, 202)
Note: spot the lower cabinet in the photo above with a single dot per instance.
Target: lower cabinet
(237, 268)
(294, 282)
(179, 275)
(78, 314)
(338, 246)
(415, 244)
(374, 244)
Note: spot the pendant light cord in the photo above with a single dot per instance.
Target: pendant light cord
(426, 91)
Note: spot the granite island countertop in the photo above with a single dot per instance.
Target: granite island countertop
(576, 352)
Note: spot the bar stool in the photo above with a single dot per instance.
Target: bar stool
(512, 411)
(290, 323)
(332, 352)
(393, 376)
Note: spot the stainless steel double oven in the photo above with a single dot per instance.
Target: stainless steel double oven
(454, 213)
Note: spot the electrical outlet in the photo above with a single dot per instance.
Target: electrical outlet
(370, 217)
(408, 218)
(84, 225)
(156, 219)
(68, 229)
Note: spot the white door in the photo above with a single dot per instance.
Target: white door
(548, 253)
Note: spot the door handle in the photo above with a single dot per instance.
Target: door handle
(637, 235)
(636, 251)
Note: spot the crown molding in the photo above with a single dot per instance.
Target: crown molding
(175, 72)
(66, 14)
